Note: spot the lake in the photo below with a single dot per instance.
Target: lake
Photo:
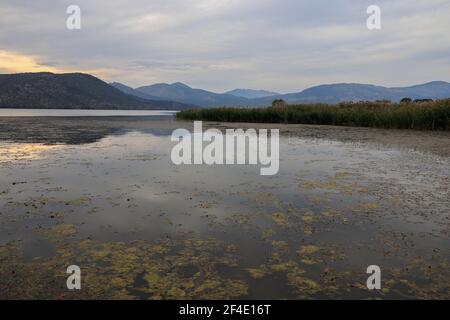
(80, 113)
(102, 193)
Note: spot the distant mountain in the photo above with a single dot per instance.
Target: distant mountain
(182, 93)
(83, 91)
(132, 92)
(328, 93)
(430, 90)
(251, 94)
(335, 93)
(70, 91)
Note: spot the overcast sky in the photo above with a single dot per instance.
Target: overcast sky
(281, 45)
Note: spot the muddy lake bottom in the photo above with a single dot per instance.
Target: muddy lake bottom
(102, 193)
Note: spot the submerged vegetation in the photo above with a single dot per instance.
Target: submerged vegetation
(139, 230)
(426, 115)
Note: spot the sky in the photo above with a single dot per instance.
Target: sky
(220, 45)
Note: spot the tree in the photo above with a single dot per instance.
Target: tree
(279, 103)
(406, 100)
(423, 100)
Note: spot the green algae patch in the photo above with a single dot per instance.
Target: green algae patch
(59, 232)
(330, 213)
(165, 280)
(173, 269)
(309, 261)
(334, 184)
(308, 218)
(258, 273)
(304, 287)
(279, 263)
(310, 249)
(280, 219)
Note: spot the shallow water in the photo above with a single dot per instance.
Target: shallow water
(80, 113)
(106, 197)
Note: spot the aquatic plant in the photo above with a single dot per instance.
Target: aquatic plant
(427, 115)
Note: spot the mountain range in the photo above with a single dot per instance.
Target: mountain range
(180, 92)
(46, 90)
(330, 93)
(83, 91)
(335, 93)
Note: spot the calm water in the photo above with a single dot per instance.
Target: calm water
(80, 113)
(140, 227)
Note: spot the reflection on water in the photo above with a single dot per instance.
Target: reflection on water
(141, 227)
(22, 151)
(81, 113)
(78, 130)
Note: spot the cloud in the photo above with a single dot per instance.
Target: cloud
(16, 63)
(282, 45)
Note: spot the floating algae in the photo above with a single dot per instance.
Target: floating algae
(110, 270)
(279, 218)
(58, 232)
(359, 204)
(310, 249)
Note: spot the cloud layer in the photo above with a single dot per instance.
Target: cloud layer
(282, 45)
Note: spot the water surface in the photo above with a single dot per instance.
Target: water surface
(80, 113)
(104, 195)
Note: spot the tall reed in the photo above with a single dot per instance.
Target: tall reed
(432, 115)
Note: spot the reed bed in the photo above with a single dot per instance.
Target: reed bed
(433, 115)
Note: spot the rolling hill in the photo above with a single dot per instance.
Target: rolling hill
(328, 93)
(182, 93)
(82, 91)
(335, 93)
(132, 92)
(70, 91)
